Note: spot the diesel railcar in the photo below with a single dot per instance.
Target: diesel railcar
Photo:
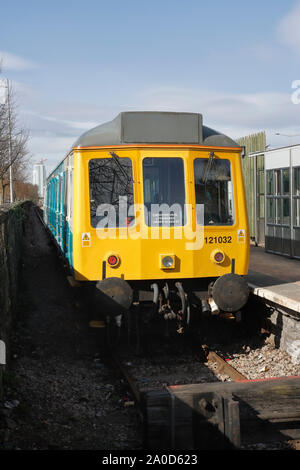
(150, 207)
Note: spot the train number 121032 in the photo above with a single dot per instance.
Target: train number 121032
(218, 239)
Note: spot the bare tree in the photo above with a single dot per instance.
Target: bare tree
(13, 143)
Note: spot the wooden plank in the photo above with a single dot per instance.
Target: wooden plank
(265, 410)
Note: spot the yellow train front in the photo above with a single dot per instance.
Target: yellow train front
(150, 207)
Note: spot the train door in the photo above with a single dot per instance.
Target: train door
(64, 211)
(69, 208)
(53, 207)
(57, 196)
(59, 209)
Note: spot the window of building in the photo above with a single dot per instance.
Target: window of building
(277, 174)
(278, 197)
(296, 171)
(296, 196)
(286, 182)
(270, 211)
(270, 182)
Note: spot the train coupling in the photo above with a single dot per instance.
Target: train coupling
(171, 304)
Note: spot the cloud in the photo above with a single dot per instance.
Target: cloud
(253, 111)
(54, 122)
(52, 148)
(234, 114)
(53, 129)
(288, 29)
(51, 137)
(10, 61)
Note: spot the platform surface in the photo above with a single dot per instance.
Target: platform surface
(275, 278)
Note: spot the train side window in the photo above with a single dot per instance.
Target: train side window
(213, 187)
(60, 193)
(57, 193)
(53, 194)
(111, 184)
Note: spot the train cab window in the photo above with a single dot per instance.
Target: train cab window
(111, 184)
(164, 192)
(213, 188)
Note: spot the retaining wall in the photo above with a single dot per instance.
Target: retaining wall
(12, 221)
(285, 326)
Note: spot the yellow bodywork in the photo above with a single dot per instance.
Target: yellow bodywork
(139, 254)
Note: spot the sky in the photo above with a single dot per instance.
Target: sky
(74, 65)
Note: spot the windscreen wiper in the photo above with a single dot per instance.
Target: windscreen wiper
(116, 158)
(208, 167)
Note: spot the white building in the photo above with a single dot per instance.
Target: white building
(281, 193)
(39, 177)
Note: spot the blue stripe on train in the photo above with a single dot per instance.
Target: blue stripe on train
(56, 214)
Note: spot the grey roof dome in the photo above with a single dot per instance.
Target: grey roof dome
(154, 127)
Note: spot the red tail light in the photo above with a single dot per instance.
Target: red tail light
(112, 260)
(129, 220)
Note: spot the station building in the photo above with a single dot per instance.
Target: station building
(39, 177)
(279, 186)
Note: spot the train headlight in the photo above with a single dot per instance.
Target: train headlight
(217, 256)
(167, 261)
(113, 261)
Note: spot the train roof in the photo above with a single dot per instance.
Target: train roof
(154, 127)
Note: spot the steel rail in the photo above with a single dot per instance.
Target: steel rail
(127, 376)
(226, 368)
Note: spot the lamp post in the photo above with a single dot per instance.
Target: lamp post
(7, 86)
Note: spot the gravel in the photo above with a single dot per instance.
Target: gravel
(264, 362)
(60, 390)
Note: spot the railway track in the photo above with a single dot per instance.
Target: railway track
(211, 414)
(138, 393)
(230, 412)
(212, 359)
